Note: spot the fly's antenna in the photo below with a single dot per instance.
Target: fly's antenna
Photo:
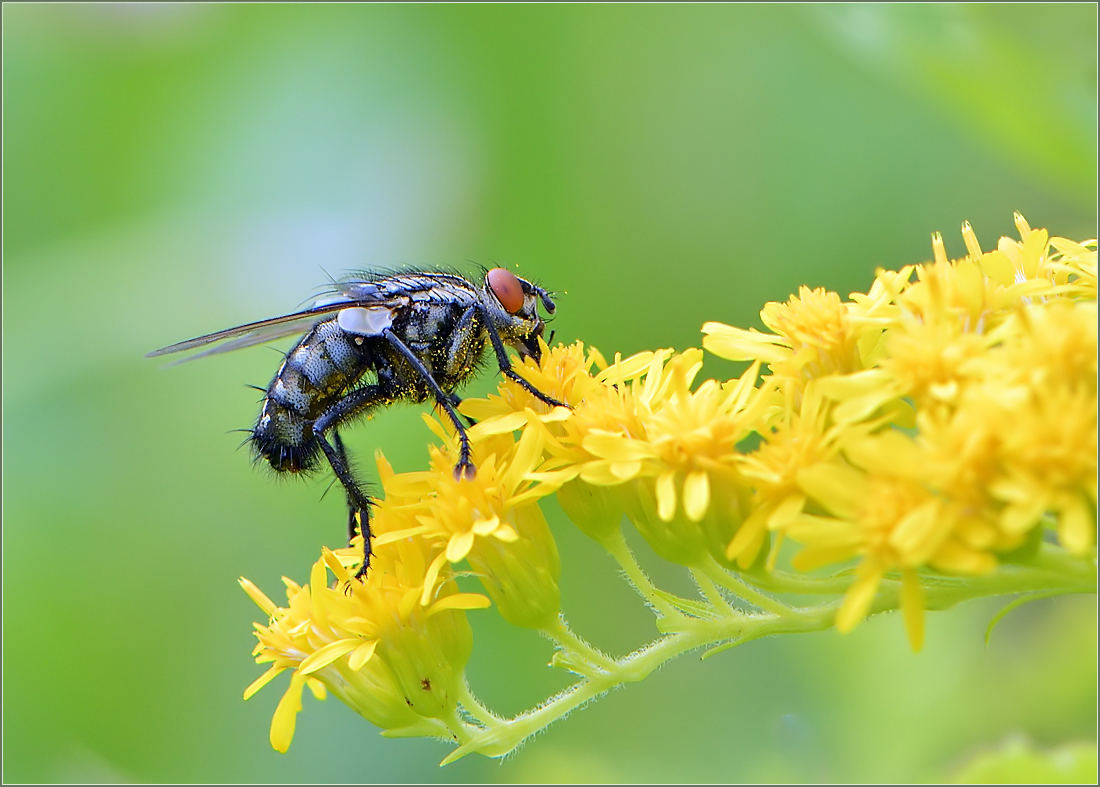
(547, 301)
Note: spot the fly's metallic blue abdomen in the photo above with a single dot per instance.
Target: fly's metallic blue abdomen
(318, 371)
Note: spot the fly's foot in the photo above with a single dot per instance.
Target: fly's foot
(550, 400)
(465, 470)
(359, 523)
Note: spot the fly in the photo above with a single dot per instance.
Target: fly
(374, 340)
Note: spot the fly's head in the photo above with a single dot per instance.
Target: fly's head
(514, 303)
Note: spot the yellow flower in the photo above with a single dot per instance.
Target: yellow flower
(941, 423)
(813, 337)
(890, 523)
(564, 373)
(1070, 270)
(800, 440)
(688, 495)
(493, 520)
(392, 647)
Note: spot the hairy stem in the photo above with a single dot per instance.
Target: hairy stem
(1053, 570)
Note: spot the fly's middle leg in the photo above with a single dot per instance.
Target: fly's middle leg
(464, 467)
(358, 501)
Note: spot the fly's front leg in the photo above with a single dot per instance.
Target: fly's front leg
(506, 365)
(358, 501)
(464, 468)
(462, 329)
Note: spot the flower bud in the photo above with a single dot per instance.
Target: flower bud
(521, 576)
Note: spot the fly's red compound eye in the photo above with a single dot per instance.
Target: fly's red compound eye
(507, 288)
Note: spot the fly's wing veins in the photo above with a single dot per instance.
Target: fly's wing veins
(271, 329)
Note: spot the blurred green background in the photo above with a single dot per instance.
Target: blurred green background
(172, 170)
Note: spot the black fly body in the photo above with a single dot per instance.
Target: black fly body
(371, 341)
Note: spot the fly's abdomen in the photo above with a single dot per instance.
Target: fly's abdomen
(314, 375)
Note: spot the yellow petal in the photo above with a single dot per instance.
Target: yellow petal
(891, 452)
(362, 654)
(849, 386)
(335, 564)
(857, 601)
(628, 368)
(1077, 529)
(617, 447)
(1035, 245)
(916, 535)
(912, 608)
(459, 601)
(839, 488)
(526, 458)
(822, 532)
(399, 535)
(599, 473)
(430, 576)
(258, 596)
(624, 471)
(484, 527)
(263, 680)
(318, 585)
(971, 241)
(955, 558)
(499, 424)
(939, 255)
(696, 495)
(736, 344)
(746, 534)
(459, 546)
(506, 534)
(436, 427)
(329, 653)
(410, 484)
(557, 415)
(317, 688)
(554, 478)
(286, 714)
(791, 507)
(666, 496)
(1020, 517)
(998, 267)
(480, 409)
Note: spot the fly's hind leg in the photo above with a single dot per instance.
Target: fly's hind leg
(355, 525)
(358, 502)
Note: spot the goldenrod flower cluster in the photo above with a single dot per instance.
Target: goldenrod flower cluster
(938, 425)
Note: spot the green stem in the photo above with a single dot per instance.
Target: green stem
(1071, 576)
(574, 648)
(742, 589)
(713, 596)
(477, 711)
(616, 545)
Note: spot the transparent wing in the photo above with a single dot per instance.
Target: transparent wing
(361, 294)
